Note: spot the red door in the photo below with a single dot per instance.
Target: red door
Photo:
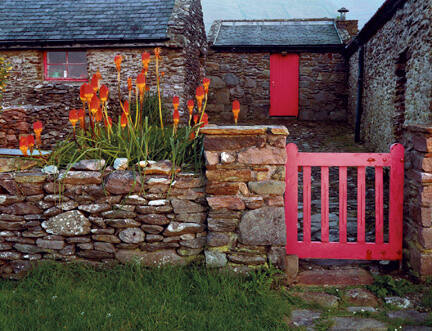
(284, 85)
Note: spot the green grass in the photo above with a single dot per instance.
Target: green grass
(76, 297)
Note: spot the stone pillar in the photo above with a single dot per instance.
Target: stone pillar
(417, 140)
(245, 171)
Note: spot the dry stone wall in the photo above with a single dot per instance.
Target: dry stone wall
(386, 108)
(246, 76)
(245, 170)
(418, 198)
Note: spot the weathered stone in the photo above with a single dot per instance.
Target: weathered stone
(8, 164)
(215, 259)
(222, 225)
(322, 299)
(357, 309)
(156, 246)
(275, 201)
(135, 200)
(21, 266)
(217, 239)
(151, 238)
(189, 251)
(122, 182)
(182, 206)
(160, 168)
(50, 170)
(80, 177)
(247, 259)
(154, 209)
(360, 297)
(212, 158)
(240, 175)
(122, 223)
(76, 240)
(6, 225)
(353, 276)
(230, 143)
(267, 187)
(132, 236)
(401, 303)
(194, 243)
(50, 244)
(29, 177)
(176, 229)
(21, 208)
(152, 229)
(264, 226)
(158, 258)
(304, 317)
(66, 206)
(191, 218)
(267, 155)
(412, 316)
(85, 246)
(53, 211)
(94, 254)
(70, 223)
(10, 255)
(104, 247)
(68, 250)
(121, 164)
(90, 165)
(227, 188)
(153, 219)
(11, 218)
(253, 202)
(95, 208)
(186, 180)
(102, 231)
(227, 201)
(352, 323)
(106, 238)
(118, 214)
(6, 200)
(5, 247)
(231, 80)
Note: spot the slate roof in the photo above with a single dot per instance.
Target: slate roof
(48, 21)
(267, 33)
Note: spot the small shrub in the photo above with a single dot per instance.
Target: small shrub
(386, 285)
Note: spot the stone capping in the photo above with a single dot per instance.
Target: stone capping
(244, 130)
(421, 128)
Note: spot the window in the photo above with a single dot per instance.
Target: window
(65, 65)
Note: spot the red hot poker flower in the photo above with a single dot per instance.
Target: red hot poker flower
(81, 117)
(176, 102)
(190, 106)
(123, 120)
(73, 117)
(145, 60)
(94, 104)
(196, 119)
(118, 60)
(99, 115)
(37, 128)
(82, 92)
(176, 118)
(30, 142)
(199, 96)
(103, 93)
(157, 52)
(23, 145)
(141, 83)
(236, 110)
(88, 93)
(206, 84)
(98, 75)
(204, 120)
(108, 123)
(125, 108)
(94, 83)
(129, 82)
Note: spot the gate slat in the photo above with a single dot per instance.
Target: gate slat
(307, 204)
(325, 204)
(379, 206)
(343, 204)
(291, 197)
(361, 203)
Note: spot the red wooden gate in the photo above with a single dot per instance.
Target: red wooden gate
(284, 85)
(360, 250)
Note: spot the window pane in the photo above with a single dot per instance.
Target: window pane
(57, 71)
(77, 71)
(77, 57)
(57, 57)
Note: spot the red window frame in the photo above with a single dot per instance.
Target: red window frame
(66, 64)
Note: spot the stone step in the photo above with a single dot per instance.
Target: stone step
(338, 277)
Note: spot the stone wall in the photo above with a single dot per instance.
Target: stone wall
(386, 108)
(245, 170)
(246, 76)
(418, 198)
(101, 217)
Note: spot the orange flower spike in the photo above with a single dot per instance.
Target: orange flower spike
(206, 84)
(204, 120)
(37, 128)
(30, 142)
(123, 120)
(82, 92)
(196, 119)
(141, 83)
(73, 117)
(81, 117)
(98, 75)
(88, 93)
(23, 145)
(176, 118)
(199, 96)
(94, 104)
(103, 93)
(157, 52)
(129, 82)
(125, 108)
(108, 123)
(190, 105)
(99, 115)
(145, 60)
(94, 83)
(236, 110)
(176, 102)
(118, 60)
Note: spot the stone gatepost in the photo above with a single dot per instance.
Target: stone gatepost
(418, 198)
(245, 171)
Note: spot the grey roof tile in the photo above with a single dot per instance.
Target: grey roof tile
(84, 20)
(277, 33)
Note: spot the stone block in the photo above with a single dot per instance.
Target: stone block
(268, 155)
(132, 236)
(153, 219)
(233, 143)
(89, 165)
(80, 177)
(122, 182)
(215, 259)
(227, 201)
(422, 143)
(227, 188)
(217, 239)
(176, 229)
(158, 258)
(425, 237)
(106, 238)
(122, 223)
(71, 223)
(95, 208)
(253, 202)
(267, 187)
(240, 175)
(182, 206)
(50, 244)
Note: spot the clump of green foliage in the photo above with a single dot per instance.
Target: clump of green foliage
(5, 69)
(386, 285)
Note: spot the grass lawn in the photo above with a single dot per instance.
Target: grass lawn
(76, 297)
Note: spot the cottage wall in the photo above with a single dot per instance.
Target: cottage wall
(398, 76)
(246, 77)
